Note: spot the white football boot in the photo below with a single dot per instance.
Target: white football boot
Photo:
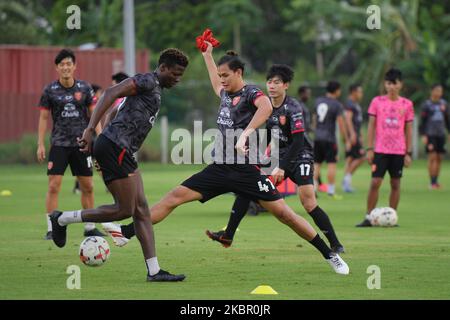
(116, 233)
(338, 265)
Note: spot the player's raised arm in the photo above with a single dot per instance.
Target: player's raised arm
(212, 69)
(123, 89)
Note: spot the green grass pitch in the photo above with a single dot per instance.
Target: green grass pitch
(414, 259)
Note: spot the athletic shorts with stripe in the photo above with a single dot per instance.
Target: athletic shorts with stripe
(243, 179)
(115, 162)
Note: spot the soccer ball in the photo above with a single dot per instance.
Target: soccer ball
(384, 217)
(94, 251)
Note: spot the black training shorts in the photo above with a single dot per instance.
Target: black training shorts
(243, 179)
(60, 157)
(325, 151)
(115, 162)
(387, 162)
(435, 144)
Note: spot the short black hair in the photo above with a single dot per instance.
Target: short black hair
(64, 53)
(353, 87)
(393, 75)
(119, 77)
(173, 56)
(333, 86)
(232, 60)
(96, 87)
(302, 89)
(281, 70)
(435, 85)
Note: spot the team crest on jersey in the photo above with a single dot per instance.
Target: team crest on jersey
(299, 124)
(77, 95)
(282, 119)
(236, 100)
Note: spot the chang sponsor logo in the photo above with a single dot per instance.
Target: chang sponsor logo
(70, 111)
(225, 117)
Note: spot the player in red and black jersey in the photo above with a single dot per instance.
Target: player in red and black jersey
(287, 130)
(353, 119)
(70, 102)
(114, 149)
(243, 108)
(97, 90)
(434, 127)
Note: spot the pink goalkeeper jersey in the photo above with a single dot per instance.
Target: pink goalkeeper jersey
(391, 117)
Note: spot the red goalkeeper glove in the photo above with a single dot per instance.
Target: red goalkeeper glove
(207, 36)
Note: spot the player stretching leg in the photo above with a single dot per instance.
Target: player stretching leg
(114, 150)
(295, 158)
(244, 107)
(390, 128)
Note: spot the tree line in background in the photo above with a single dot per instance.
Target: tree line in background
(320, 39)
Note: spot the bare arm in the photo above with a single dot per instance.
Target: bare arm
(42, 128)
(370, 138)
(98, 128)
(408, 135)
(314, 122)
(110, 115)
(351, 129)
(408, 140)
(343, 131)
(123, 89)
(212, 70)
(262, 114)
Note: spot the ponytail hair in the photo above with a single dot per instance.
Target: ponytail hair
(232, 59)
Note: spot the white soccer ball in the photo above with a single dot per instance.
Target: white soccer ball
(384, 217)
(94, 251)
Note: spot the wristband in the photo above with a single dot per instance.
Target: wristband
(409, 153)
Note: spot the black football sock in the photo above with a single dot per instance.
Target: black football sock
(128, 230)
(434, 180)
(322, 220)
(321, 246)
(238, 211)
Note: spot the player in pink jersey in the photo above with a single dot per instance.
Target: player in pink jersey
(389, 140)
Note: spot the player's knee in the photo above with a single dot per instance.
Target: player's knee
(375, 184)
(142, 211)
(174, 198)
(125, 211)
(395, 184)
(309, 204)
(87, 188)
(54, 187)
(285, 215)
